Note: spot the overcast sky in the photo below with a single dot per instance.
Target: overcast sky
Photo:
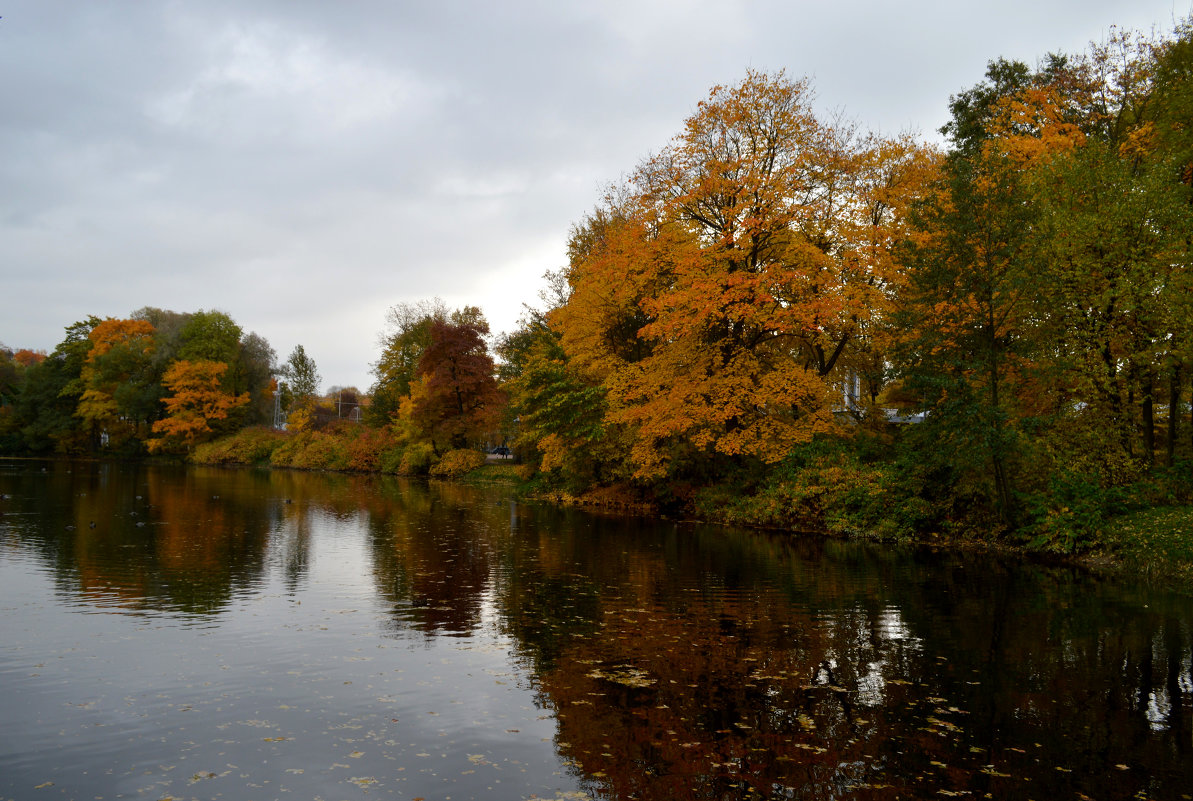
(303, 166)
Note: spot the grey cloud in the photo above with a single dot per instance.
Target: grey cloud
(305, 165)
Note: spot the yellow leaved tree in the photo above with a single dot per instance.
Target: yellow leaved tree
(197, 400)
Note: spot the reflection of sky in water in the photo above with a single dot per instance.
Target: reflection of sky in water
(286, 690)
(878, 634)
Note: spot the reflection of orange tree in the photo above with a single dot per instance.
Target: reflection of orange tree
(736, 696)
(205, 543)
(148, 540)
(95, 555)
(703, 691)
(658, 705)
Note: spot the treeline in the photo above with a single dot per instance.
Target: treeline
(194, 384)
(779, 318)
(783, 318)
(157, 381)
(435, 408)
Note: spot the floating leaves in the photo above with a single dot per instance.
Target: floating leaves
(625, 675)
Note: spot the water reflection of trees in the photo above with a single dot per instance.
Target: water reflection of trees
(691, 662)
(434, 549)
(717, 673)
(695, 662)
(143, 538)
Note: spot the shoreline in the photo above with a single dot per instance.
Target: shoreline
(1111, 556)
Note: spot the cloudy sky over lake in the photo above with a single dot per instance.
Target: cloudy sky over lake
(303, 166)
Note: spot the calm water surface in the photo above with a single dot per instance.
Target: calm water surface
(170, 633)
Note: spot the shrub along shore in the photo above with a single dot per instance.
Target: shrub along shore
(1148, 533)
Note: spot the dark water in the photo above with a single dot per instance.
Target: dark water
(252, 635)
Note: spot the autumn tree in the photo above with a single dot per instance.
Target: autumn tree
(197, 400)
(966, 315)
(215, 336)
(1113, 260)
(743, 262)
(455, 399)
(119, 394)
(1048, 281)
(979, 350)
(406, 336)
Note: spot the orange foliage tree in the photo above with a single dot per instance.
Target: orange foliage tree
(717, 294)
(118, 388)
(197, 400)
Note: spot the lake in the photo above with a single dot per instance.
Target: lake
(172, 633)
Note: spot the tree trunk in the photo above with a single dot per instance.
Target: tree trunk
(1174, 411)
(1002, 482)
(1128, 425)
(1149, 417)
